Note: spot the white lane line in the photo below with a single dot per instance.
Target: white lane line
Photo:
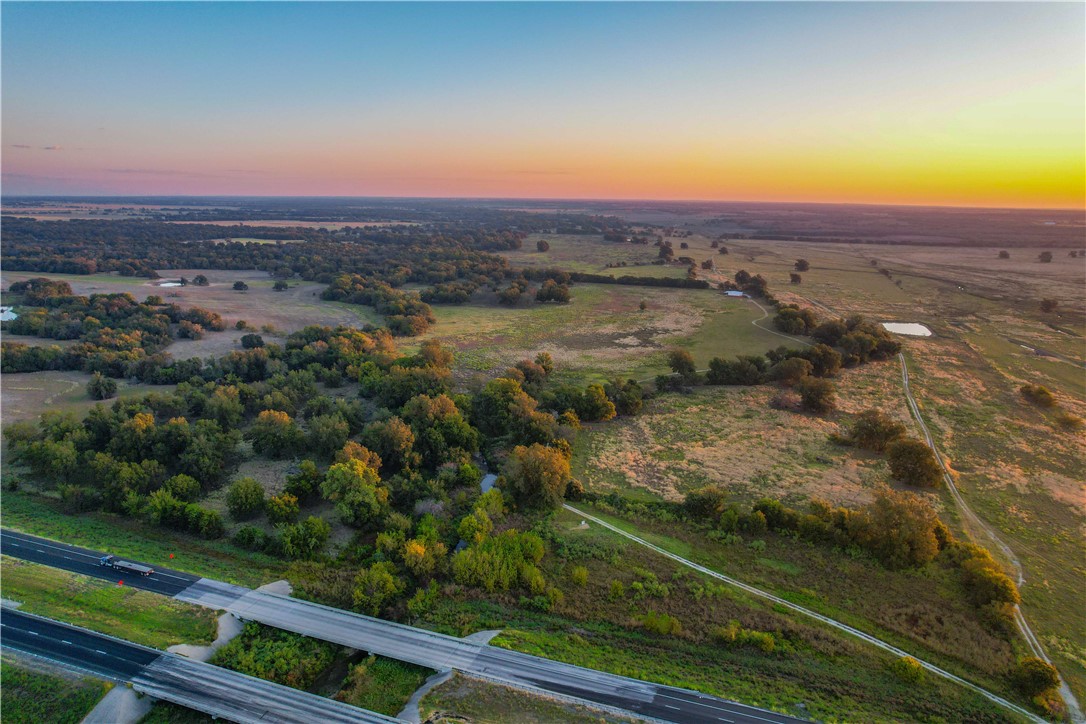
(99, 651)
(32, 633)
(669, 706)
(66, 642)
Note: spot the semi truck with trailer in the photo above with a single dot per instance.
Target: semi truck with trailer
(125, 566)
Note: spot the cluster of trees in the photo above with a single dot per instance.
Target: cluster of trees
(804, 370)
(911, 460)
(857, 339)
(113, 331)
(405, 312)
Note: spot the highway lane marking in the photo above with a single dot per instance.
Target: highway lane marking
(719, 708)
(99, 651)
(154, 576)
(32, 633)
(669, 706)
(66, 642)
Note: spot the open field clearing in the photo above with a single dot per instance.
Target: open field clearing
(138, 616)
(27, 394)
(33, 693)
(286, 312)
(591, 254)
(731, 435)
(602, 333)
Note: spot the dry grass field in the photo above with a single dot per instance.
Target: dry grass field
(730, 436)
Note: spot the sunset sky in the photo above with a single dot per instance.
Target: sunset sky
(970, 104)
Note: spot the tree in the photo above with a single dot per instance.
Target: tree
(544, 360)
(1049, 305)
(327, 434)
(552, 291)
(1004, 255)
(825, 360)
(282, 508)
(394, 441)
(245, 498)
(376, 587)
(627, 396)
(200, 280)
(900, 528)
(830, 332)
(595, 406)
(643, 305)
(280, 286)
(275, 434)
(681, 363)
(1044, 257)
(240, 286)
(542, 245)
(475, 526)
(356, 491)
(723, 249)
(817, 395)
(305, 540)
(744, 370)
(537, 476)
(802, 265)
(252, 341)
(874, 430)
(913, 462)
(706, 503)
(424, 557)
(353, 451)
(307, 480)
(795, 278)
(183, 487)
(1035, 677)
(101, 388)
(790, 371)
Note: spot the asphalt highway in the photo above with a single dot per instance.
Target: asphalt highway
(213, 690)
(413, 645)
(76, 647)
(85, 561)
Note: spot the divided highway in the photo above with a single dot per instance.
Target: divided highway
(213, 690)
(406, 643)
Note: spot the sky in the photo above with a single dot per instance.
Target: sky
(961, 104)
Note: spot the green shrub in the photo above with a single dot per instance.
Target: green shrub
(579, 575)
(1038, 394)
(245, 498)
(908, 670)
(1034, 677)
(661, 623)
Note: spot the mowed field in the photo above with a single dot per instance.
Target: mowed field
(602, 333)
(27, 394)
(591, 254)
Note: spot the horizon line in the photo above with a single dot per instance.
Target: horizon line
(928, 205)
